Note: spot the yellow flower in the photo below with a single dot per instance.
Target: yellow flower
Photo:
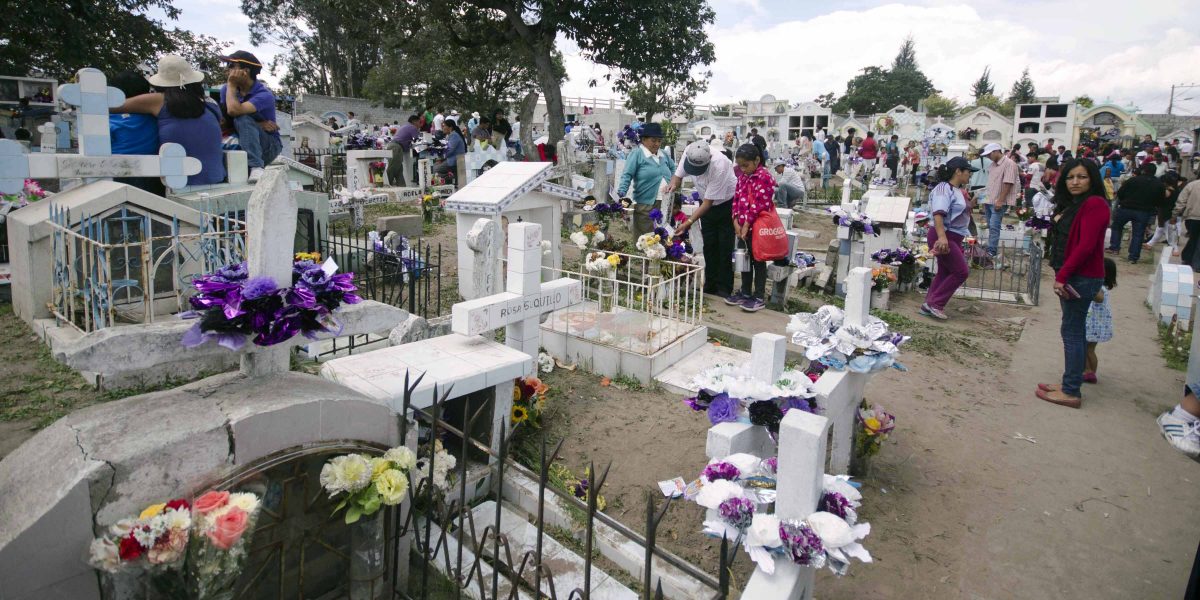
(520, 414)
(516, 393)
(872, 424)
(152, 511)
(378, 466)
(614, 260)
(391, 485)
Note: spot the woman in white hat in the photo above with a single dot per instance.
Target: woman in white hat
(185, 116)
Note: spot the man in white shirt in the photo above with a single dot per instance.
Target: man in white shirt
(789, 185)
(352, 125)
(438, 119)
(713, 174)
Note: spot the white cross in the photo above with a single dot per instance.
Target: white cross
(520, 307)
(95, 160)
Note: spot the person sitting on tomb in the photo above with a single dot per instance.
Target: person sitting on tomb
(185, 116)
(249, 107)
(134, 133)
(455, 147)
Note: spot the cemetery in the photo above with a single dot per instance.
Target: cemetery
(327, 384)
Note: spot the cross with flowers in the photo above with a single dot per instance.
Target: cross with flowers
(95, 159)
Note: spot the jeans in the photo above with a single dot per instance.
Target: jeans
(1140, 219)
(399, 170)
(716, 229)
(1074, 331)
(788, 195)
(995, 220)
(893, 165)
(952, 270)
(261, 147)
(825, 174)
(1189, 249)
(757, 275)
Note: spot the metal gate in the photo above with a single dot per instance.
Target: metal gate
(1013, 276)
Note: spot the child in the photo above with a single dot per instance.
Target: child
(1099, 320)
(753, 195)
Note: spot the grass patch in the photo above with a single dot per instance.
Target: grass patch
(626, 382)
(1175, 345)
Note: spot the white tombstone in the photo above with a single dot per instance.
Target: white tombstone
(840, 392)
(889, 215)
(358, 167)
(479, 156)
(510, 190)
(479, 240)
(526, 299)
(768, 351)
(270, 240)
(95, 159)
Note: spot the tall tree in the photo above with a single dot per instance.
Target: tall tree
(57, 38)
(1085, 101)
(664, 38)
(1023, 91)
(423, 70)
(659, 94)
(992, 102)
(877, 89)
(331, 44)
(825, 100)
(938, 105)
(906, 58)
(984, 86)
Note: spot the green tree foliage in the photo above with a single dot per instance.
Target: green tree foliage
(424, 70)
(1023, 91)
(1085, 101)
(994, 103)
(637, 40)
(657, 94)
(983, 86)
(938, 105)
(825, 100)
(878, 89)
(331, 45)
(57, 38)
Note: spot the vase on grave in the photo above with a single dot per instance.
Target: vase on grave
(367, 565)
(880, 298)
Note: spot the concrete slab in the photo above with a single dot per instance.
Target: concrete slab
(677, 379)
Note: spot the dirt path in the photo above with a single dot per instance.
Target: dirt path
(1099, 507)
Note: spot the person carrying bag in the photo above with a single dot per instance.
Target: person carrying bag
(751, 199)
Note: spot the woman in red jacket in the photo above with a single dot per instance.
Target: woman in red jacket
(1080, 218)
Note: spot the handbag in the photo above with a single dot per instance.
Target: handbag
(769, 238)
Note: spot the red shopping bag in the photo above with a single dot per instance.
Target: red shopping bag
(769, 241)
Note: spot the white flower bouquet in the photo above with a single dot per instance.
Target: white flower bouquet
(368, 483)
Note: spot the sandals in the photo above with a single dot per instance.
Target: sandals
(1059, 398)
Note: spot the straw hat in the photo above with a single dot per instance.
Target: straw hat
(174, 71)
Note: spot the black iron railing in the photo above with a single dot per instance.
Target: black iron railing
(1013, 276)
(330, 161)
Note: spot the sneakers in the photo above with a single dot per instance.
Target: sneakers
(753, 304)
(1183, 435)
(255, 174)
(735, 299)
(930, 311)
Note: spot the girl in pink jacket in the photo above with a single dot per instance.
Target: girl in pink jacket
(753, 195)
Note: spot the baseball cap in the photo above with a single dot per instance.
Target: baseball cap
(241, 56)
(959, 162)
(990, 148)
(696, 158)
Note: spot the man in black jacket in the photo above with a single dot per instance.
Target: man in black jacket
(1138, 202)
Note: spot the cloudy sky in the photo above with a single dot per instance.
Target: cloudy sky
(796, 50)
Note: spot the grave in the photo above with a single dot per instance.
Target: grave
(1172, 291)
(264, 430)
(360, 174)
(479, 158)
(889, 215)
(509, 191)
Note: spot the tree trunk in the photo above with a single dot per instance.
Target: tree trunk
(528, 105)
(551, 88)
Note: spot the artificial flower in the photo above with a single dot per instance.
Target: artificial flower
(714, 493)
(378, 466)
(391, 485)
(737, 512)
(130, 549)
(152, 511)
(723, 409)
(721, 470)
(348, 473)
(520, 414)
(228, 528)
(404, 458)
(211, 501)
(103, 555)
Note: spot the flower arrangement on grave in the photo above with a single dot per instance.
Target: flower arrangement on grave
(376, 170)
(433, 457)
(1038, 223)
(969, 133)
(875, 425)
(309, 256)
(804, 259)
(736, 485)
(581, 487)
(902, 259)
(32, 192)
(233, 307)
(730, 393)
(396, 248)
(588, 236)
(883, 181)
(650, 244)
(857, 222)
(882, 278)
(529, 400)
(605, 211)
(155, 541)
(222, 524)
(828, 340)
(432, 203)
(368, 483)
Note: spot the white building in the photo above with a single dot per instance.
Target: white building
(987, 125)
(1045, 120)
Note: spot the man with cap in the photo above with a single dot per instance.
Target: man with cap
(713, 174)
(249, 109)
(789, 185)
(1003, 190)
(646, 169)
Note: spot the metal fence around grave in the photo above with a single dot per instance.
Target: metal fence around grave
(476, 553)
(330, 161)
(410, 279)
(1014, 276)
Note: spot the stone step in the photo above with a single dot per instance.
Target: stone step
(565, 564)
(476, 590)
(677, 378)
